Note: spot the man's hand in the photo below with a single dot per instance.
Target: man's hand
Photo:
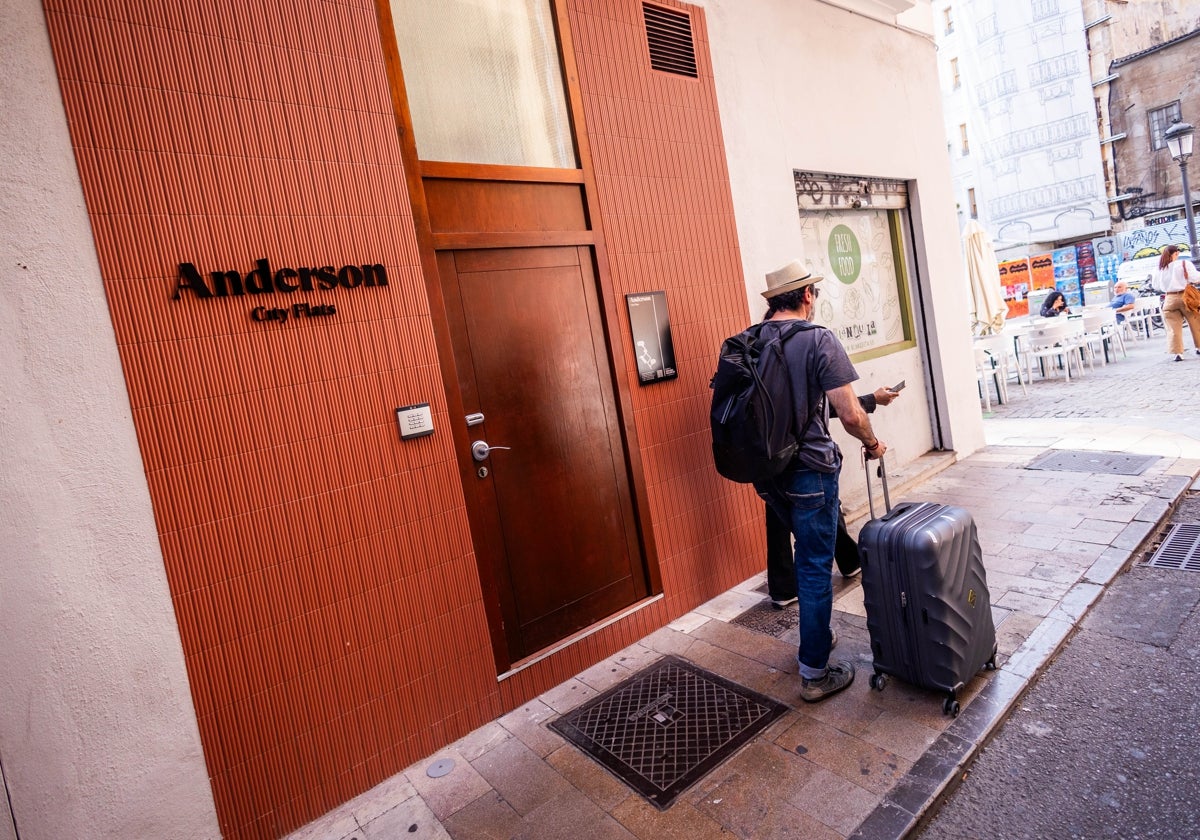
(875, 452)
(884, 396)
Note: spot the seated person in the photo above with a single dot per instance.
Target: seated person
(1123, 300)
(1055, 305)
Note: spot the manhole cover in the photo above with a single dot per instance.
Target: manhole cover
(764, 618)
(1070, 460)
(1180, 549)
(667, 726)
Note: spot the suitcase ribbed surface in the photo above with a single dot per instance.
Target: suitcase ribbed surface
(925, 592)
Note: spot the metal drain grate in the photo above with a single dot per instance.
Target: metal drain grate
(667, 726)
(1071, 460)
(764, 618)
(1180, 549)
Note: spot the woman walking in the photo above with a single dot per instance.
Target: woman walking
(1174, 275)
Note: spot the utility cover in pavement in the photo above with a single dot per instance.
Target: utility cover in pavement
(1180, 549)
(667, 726)
(1071, 460)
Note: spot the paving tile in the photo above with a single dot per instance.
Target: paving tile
(729, 604)
(899, 734)
(604, 675)
(751, 673)
(487, 818)
(680, 822)
(1153, 510)
(1021, 602)
(383, 797)
(667, 640)
(589, 777)
(567, 695)
(528, 724)
(748, 643)
(446, 794)
(1080, 551)
(1041, 587)
(1076, 602)
(476, 743)
(412, 818)
(1108, 566)
(839, 804)
(636, 657)
(1134, 534)
(520, 776)
(851, 601)
(571, 815)
(1028, 659)
(688, 622)
(887, 822)
(744, 794)
(855, 760)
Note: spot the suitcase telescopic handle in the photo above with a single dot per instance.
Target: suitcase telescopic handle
(887, 500)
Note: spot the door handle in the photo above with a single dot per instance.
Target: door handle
(480, 449)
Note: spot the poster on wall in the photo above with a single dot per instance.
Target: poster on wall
(1085, 258)
(1107, 256)
(860, 299)
(650, 325)
(1066, 276)
(1041, 271)
(1014, 278)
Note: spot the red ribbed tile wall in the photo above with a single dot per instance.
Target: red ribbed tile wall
(321, 570)
(667, 212)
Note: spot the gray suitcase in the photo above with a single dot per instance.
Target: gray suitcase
(925, 591)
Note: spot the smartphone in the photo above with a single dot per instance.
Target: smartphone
(898, 387)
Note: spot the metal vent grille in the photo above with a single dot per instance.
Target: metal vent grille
(1180, 550)
(669, 34)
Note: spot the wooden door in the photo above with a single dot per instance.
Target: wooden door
(554, 508)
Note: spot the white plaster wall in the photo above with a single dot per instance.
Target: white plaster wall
(98, 736)
(803, 85)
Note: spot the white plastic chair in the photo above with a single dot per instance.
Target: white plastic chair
(986, 371)
(1141, 318)
(1093, 334)
(1002, 353)
(1050, 341)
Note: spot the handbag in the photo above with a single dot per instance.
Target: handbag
(1191, 297)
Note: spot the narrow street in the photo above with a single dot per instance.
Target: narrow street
(1104, 744)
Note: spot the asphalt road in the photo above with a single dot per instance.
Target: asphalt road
(1106, 744)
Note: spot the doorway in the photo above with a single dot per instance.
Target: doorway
(550, 492)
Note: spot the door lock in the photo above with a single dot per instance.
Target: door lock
(480, 449)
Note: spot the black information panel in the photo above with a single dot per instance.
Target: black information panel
(651, 328)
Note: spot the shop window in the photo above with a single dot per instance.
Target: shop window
(484, 82)
(1160, 121)
(852, 230)
(669, 36)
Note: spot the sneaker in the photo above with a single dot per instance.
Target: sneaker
(1178, 357)
(832, 638)
(1198, 351)
(838, 675)
(780, 603)
(852, 573)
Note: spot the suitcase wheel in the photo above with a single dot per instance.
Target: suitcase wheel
(878, 681)
(990, 665)
(950, 706)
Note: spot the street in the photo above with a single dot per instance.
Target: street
(1104, 744)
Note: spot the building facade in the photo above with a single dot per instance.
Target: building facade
(358, 360)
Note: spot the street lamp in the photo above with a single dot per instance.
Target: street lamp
(1179, 142)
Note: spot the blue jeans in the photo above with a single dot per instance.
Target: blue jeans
(809, 501)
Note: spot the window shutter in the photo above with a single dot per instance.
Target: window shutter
(669, 34)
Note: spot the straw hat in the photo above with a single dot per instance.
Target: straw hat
(791, 277)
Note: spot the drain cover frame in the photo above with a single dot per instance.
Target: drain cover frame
(666, 727)
(1180, 549)
(1092, 461)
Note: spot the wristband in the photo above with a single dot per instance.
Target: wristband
(874, 445)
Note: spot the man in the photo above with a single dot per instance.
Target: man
(806, 494)
(781, 571)
(1122, 301)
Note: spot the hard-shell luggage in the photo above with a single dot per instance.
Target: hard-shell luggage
(925, 591)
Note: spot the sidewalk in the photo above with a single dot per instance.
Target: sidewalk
(863, 763)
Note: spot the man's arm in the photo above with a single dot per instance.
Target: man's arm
(855, 420)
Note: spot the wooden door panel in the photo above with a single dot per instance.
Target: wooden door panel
(535, 357)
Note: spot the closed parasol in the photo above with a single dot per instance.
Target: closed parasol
(988, 309)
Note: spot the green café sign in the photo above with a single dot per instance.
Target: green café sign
(845, 255)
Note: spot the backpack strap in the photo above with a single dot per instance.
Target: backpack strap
(785, 332)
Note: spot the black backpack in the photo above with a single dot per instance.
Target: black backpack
(753, 434)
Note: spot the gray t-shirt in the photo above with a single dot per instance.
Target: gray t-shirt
(818, 363)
